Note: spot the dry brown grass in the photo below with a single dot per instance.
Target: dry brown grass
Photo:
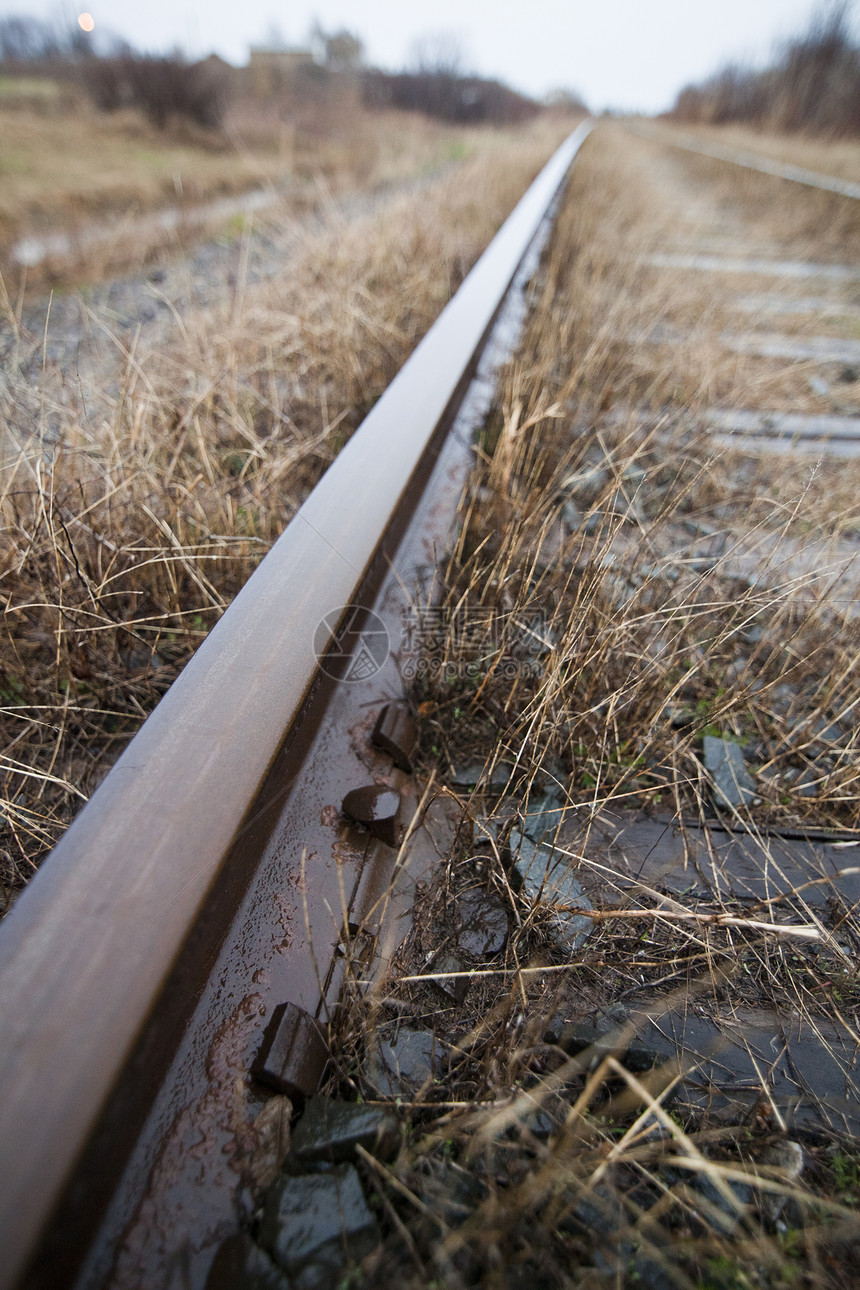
(124, 539)
(72, 169)
(640, 617)
(141, 488)
(648, 636)
(838, 157)
(805, 221)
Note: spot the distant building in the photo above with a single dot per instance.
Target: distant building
(273, 69)
(216, 64)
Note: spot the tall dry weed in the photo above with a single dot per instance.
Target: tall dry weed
(143, 483)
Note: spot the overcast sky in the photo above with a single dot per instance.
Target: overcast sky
(632, 54)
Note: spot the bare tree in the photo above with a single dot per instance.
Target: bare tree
(26, 40)
(162, 88)
(57, 47)
(812, 85)
(439, 53)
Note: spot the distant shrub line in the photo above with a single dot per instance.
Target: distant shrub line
(449, 96)
(170, 87)
(814, 85)
(161, 88)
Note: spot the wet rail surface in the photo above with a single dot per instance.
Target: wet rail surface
(187, 926)
(186, 931)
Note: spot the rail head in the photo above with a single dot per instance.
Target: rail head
(86, 951)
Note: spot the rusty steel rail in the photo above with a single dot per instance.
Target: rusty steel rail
(105, 956)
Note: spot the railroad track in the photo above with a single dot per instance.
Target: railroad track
(205, 885)
(183, 949)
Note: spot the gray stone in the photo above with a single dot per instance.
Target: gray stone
(829, 735)
(589, 482)
(656, 573)
(483, 923)
(331, 1130)
(572, 515)
(293, 1054)
(486, 830)
(399, 1068)
(623, 504)
(241, 1265)
(733, 785)
(545, 876)
(600, 1214)
(782, 698)
(539, 644)
(548, 550)
(456, 987)
(315, 1224)
(475, 775)
(828, 732)
(451, 1197)
(809, 783)
(721, 1214)
(596, 1043)
(787, 1156)
(540, 1125)
(271, 1141)
(699, 528)
(542, 818)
